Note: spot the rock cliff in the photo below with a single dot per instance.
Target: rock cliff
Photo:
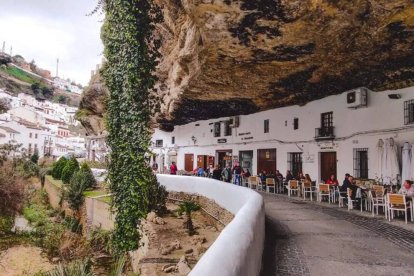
(224, 57)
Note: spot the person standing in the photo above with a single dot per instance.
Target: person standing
(237, 170)
(216, 173)
(173, 168)
(226, 173)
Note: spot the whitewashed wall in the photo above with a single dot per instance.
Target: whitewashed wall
(354, 128)
(238, 249)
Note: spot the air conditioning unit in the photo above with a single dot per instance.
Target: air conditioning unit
(357, 98)
(235, 121)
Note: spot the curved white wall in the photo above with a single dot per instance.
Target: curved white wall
(239, 247)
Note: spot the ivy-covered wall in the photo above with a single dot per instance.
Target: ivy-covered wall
(130, 52)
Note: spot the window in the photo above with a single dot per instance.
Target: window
(409, 112)
(158, 143)
(36, 135)
(327, 120)
(361, 163)
(266, 126)
(296, 123)
(30, 148)
(295, 163)
(217, 129)
(30, 135)
(227, 128)
(173, 140)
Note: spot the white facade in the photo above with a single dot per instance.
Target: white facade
(353, 129)
(66, 85)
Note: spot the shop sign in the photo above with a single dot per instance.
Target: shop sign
(267, 154)
(227, 158)
(222, 141)
(308, 158)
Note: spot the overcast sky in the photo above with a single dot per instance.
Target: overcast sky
(44, 30)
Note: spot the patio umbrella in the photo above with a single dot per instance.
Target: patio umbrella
(380, 154)
(406, 161)
(392, 160)
(386, 164)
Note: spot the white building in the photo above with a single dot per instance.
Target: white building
(66, 85)
(323, 137)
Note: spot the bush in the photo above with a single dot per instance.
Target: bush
(11, 191)
(78, 268)
(88, 178)
(27, 169)
(58, 168)
(70, 168)
(35, 214)
(35, 157)
(74, 193)
(6, 224)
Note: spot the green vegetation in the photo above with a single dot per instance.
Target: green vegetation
(78, 268)
(35, 157)
(57, 183)
(188, 207)
(58, 168)
(94, 193)
(20, 75)
(81, 180)
(70, 168)
(131, 52)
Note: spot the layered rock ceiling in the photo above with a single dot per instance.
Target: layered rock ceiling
(224, 57)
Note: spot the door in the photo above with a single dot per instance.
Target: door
(224, 158)
(328, 165)
(202, 161)
(266, 160)
(189, 162)
(295, 163)
(246, 160)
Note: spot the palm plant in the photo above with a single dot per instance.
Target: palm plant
(188, 207)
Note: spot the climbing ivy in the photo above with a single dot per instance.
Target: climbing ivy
(131, 57)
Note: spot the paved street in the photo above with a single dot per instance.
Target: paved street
(305, 238)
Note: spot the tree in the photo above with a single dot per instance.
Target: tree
(35, 157)
(11, 191)
(58, 168)
(70, 168)
(188, 207)
(88, 179)
(4, 105)
(131, 54)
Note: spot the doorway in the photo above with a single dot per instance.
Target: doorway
(246, 160)
(188, 162)
(202, 161)
(328, 165)
(266, 160)
(224, 158)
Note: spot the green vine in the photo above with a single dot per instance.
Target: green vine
(131, 58)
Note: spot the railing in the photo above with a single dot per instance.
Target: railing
(324, 133)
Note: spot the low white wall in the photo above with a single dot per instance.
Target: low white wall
(239, 247)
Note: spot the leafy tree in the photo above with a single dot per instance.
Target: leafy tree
(131, 53)
(4, 105)
(35, 157)
(58, 168)
(87, 176)
(70, 168)
(74, 194)
(188, 207)
(47, 92)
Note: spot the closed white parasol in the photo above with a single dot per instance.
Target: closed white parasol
(406, 161)
(380, 154)
(392, 155)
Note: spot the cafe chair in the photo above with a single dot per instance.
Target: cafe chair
(397, 202)
(253, 182)
(270, 184)
(377, 200)
(292, 187)
(307, 189)
(323, 190)
(350, 200)
(340, 198)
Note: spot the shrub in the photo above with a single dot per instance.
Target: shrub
(11, 191)
(188, 207)
(35, 214)
(27, 169)
(78, 268)
(88, 178)
(157, 196)
(74, 193)
(70, 168)
(6, 224)
(35, 157)
(58, 168)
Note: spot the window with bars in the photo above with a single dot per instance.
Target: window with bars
(361, 163)
(227, 128)
(158, 143)
(217, 129)
(295, 163)
(409, 112)
(326, 119)
(266, 126)
(173, 140)
(296, 123)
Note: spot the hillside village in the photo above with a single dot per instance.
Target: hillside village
(39, 126)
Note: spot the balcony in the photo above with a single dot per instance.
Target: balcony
(324, 133)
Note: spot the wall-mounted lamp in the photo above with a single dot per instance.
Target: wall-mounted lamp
(394, 96)
(194, 139)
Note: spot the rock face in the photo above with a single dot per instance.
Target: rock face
(92, 107)
(223, 57)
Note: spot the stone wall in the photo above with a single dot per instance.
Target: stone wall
(99, 214)
(209, 206)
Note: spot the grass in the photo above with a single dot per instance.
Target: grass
(57, 183)
(106, 199)
(20, 75)
(94, 193)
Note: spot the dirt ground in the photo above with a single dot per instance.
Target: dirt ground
(23, 260)
(172, 231)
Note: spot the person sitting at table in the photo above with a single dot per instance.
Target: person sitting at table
(307, 178)
(301, 177)
(289, 176)
(407, 188)
(279, 176)
(332, 180)
(345, 185)
(246, 173)
(263, 176)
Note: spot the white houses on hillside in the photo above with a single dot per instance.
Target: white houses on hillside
(337, 134)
